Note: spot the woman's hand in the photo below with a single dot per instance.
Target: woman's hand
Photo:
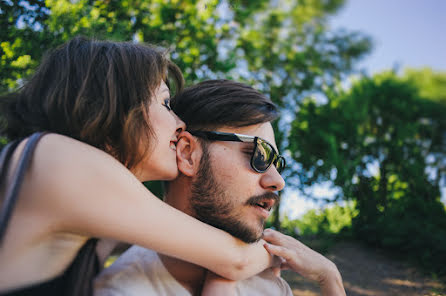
(303, 260)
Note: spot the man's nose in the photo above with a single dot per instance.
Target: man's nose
(272, 180)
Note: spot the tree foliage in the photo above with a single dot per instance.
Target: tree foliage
(22, 40)
(331, 220)
(383, 143)
(283, 48)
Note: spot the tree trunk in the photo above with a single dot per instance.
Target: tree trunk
(276, 215)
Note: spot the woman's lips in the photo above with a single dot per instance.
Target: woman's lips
(173, 145)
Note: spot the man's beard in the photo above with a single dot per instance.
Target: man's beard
(212, 205)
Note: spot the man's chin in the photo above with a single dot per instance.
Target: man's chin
(248, 235)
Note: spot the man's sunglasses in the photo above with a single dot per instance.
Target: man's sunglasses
(263, 154)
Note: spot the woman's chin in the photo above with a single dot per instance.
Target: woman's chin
(166, 175)
(159, 174)
(169, 177)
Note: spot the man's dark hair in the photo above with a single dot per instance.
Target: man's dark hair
(216, 103)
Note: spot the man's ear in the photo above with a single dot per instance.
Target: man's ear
(188, 154)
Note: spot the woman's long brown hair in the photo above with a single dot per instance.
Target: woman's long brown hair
(97, 92)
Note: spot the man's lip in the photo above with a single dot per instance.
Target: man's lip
(263, 203)
(267, 203)
(261, 211)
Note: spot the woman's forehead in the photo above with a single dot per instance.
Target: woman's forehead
(163, 87)
(162, 90)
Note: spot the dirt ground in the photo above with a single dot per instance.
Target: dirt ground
(367, 272)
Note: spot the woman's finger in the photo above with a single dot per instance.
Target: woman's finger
(280, 251)
(274, 237)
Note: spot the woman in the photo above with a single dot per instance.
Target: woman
(106, 108)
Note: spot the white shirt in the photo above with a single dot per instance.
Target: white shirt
(139, 271)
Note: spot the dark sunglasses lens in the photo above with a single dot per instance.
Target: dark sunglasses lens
(263, 156)
(280, 164)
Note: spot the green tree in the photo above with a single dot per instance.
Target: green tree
(432, 85)
(331, 220)
(283, 45)
(383, 143)
(22, 40)
(285, 49)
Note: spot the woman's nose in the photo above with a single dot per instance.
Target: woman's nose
(181, 126)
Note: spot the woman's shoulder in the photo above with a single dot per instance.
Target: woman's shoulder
(54, 143)
(62, 152)
(59, 158)
(46, 149)
(61, 165)
(55, 159)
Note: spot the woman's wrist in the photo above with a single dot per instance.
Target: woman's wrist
(331, 282)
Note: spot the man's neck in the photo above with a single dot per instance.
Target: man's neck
(189, 275)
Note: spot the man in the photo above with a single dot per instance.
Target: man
(229, 174)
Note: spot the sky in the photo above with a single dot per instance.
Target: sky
(405, 33)
(411, 33)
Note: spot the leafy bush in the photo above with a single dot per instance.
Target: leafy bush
(414, 229)
(329, 221)
(382, 142)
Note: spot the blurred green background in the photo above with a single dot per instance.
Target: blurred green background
(333, 128)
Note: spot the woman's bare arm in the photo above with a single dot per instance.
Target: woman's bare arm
(85, 191)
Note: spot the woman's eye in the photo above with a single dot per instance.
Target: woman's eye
(167, 104)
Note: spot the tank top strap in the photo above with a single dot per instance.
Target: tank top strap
(12, 190)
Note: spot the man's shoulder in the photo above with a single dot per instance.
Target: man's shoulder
(264, 283)
(132, 269)
(135, 260)
(135, 254)
(138, 271)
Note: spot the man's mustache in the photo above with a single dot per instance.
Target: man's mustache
(259, 198)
